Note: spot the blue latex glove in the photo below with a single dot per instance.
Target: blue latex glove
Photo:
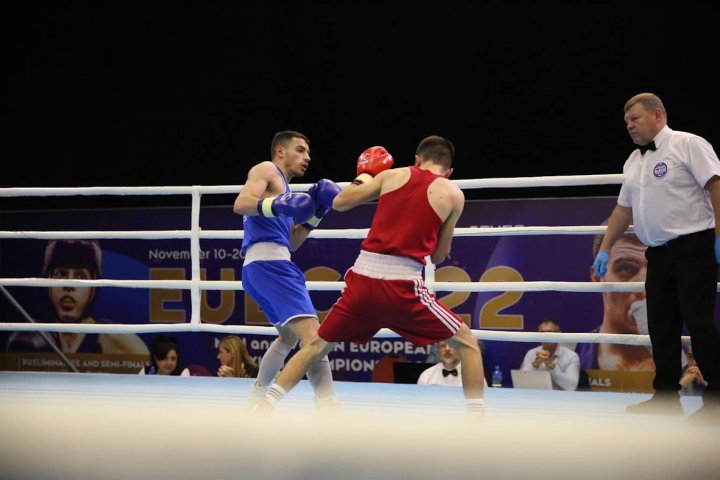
(717, 249)
(601, 261)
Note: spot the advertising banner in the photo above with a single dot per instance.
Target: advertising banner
(478, 258)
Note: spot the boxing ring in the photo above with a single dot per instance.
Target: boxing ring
(83, 426)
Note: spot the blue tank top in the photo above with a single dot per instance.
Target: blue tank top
(262, 229)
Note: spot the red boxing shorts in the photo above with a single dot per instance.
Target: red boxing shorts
(385, 291)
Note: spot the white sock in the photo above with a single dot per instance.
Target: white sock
(275, 394)
(272, 362)
(475, 406)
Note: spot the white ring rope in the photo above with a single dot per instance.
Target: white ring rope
(196, 285)
(513, 182)
(329, 286)
(626, 339)
(347, 233)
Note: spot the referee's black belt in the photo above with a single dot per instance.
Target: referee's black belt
(683, 238)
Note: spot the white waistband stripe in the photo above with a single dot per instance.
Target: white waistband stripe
(387, 267)
(266, 251)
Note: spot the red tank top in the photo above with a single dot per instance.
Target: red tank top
(404, 223)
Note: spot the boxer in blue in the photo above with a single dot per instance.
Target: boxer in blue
(276, 222)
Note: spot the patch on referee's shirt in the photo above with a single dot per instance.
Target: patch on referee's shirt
(660, 169)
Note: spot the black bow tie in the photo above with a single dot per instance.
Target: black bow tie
(450, 372)
(649, 146)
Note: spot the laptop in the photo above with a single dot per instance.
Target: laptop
(538, 379)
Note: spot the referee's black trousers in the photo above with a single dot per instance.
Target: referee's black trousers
(681, 287)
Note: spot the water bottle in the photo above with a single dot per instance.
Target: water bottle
(497, 377)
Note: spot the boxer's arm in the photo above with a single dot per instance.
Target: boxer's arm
(298, 235)
(447, 231)
(258, 180)
(358, 193)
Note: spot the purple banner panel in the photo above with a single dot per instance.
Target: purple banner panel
(511, 258)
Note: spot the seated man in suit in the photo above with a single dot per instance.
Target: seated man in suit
(447, 371)
(562, 362)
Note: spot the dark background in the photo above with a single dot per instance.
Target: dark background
(191, 93)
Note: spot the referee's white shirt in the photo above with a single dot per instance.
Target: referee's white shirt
(665, 187)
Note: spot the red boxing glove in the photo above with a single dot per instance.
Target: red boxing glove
(373, 161)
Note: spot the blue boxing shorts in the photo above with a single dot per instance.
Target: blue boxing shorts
(278, 287)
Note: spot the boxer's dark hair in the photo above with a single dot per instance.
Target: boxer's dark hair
(436, 149)
(283, 138)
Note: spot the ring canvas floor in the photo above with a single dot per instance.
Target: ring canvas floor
(113, 426)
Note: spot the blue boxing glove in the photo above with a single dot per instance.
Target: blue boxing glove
(323, 193)
(299, 206)
(600, 263)
(717, 249)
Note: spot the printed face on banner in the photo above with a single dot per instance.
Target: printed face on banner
(624, 312)
(71, 303)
